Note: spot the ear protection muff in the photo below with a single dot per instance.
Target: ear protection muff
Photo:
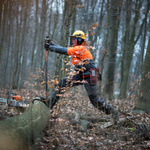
(79, 41)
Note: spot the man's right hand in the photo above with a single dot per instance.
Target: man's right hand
(47, 46)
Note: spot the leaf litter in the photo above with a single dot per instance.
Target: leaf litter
(65, 131)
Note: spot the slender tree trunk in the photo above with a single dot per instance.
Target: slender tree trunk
(130, 39)
(112, 47)
(23, 53)
(34, 51)
(6, 79)
(16, 54)
(44, 18)
(1, 14)
(3, 26)
(67, 14)
(144, 95)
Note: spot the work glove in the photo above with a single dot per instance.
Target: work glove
(47, 46)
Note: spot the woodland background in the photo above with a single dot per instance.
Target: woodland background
(118, 33)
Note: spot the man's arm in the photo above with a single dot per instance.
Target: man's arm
(56, 48)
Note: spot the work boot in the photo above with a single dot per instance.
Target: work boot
(108, 109)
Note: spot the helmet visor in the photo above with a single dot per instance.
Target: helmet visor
(73, 41)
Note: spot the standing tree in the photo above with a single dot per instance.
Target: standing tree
(132, 34)
(69, 7)
(113, 14)
(144, 96)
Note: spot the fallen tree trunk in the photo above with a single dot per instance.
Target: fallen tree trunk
(22, 130)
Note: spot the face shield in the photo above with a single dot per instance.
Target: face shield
(73, 41)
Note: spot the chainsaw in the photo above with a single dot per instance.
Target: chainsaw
(14, 100)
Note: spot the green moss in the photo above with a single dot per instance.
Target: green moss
(102, 123)
(129, 124)
(131, 129)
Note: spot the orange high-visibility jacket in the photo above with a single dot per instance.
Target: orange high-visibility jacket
(79, 53)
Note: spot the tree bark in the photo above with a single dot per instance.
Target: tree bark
(130, 39)
(34, 52)
(144, 95)
(69, 7)
(113, 14)
(3, 26)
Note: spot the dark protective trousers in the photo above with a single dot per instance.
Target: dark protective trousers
(91, 90)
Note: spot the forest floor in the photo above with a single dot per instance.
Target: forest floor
(76, 125)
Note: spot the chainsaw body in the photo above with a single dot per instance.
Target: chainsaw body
(14, 100)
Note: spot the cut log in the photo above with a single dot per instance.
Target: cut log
(25, 128)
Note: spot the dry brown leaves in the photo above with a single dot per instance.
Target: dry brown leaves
(63, 132)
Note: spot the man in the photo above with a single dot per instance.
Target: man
(84, 65)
